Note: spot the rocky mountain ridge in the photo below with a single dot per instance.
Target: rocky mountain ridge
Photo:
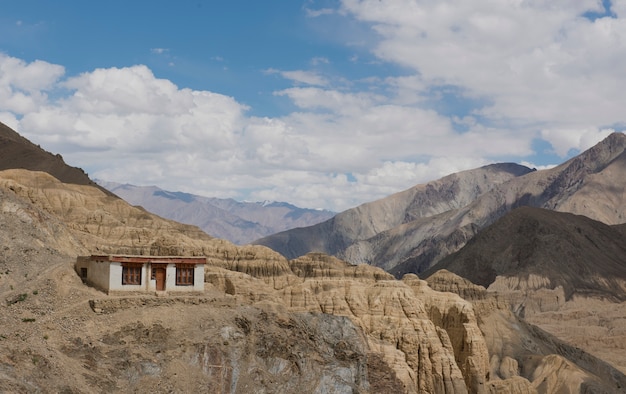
(581, 255)
(352, 232)
(415, 239)
(18, 152)
(238, 222)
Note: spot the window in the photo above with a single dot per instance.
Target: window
(184, 274)
(83, 273)
(131, 274)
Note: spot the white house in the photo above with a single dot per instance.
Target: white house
(121, 273)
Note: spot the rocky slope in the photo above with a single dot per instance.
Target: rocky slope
(265, 324)
(414, 239)
(563, 272)
(538, 248)
(17, 152)
(238, 222)
(351, 234)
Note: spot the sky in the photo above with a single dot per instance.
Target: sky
(322, 104)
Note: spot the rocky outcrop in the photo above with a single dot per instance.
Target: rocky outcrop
(456, 316)
(518, 349)
(433, 341)
(394, 316)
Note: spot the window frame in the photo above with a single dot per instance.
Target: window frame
(131, 274)
(185, 274)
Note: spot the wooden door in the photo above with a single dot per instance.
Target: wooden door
(160, 278)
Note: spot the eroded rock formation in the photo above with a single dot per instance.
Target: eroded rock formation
(314, 323)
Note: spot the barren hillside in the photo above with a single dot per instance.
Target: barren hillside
(17, 152)
(387, 234)
(263, 324)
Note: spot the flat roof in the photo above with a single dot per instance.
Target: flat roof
(148, 259)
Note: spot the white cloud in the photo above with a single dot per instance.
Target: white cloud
(24, 86)
(300, 76)
(533, 62)
(159, 51)
(318, 12)
(563, 140)
(126, 125)
(518, 71)
(28, 77)
(319, 60)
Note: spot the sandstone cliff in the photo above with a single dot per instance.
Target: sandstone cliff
(520, 352)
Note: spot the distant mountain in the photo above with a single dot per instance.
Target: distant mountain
(238, 222)
(584, 256)
(363, 234)
(412, 230)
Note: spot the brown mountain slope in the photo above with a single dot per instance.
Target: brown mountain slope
(18, 152)
(352, 228)
(593, 183)
(584, 256)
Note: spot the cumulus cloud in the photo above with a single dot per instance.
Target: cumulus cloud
(517, 72)
(533, 62)
(24, 86)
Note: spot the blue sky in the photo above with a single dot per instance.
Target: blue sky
(323, 104)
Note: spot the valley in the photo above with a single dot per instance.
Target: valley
(544, 314)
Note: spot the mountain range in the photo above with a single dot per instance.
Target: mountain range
(316, 323)
(238, 222)
(579, 254)
(413, 230)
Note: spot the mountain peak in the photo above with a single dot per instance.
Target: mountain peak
(600, 155)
